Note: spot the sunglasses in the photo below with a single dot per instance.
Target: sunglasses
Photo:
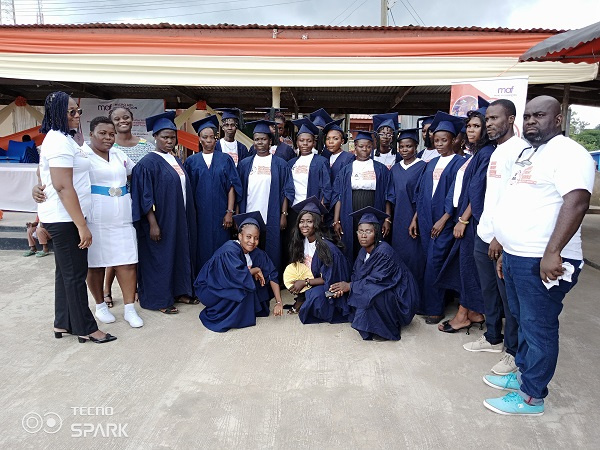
(73, 112)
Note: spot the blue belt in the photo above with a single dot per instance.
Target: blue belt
(109, 191)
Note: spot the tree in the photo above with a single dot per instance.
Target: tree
(590, 139)
(577, 124)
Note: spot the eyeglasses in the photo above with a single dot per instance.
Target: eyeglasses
(365, 232)
(525, 162)
(73, 112)
(388, 135)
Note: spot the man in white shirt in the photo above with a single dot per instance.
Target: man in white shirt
(500, 118)
(538, 223)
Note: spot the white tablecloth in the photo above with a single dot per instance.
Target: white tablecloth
(16, 182)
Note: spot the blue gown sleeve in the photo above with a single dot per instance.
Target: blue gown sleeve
(142, 192)
(233, 179)
(288, 184)
(449, 202)
(325, 183)
(384, 274)
(261, 260)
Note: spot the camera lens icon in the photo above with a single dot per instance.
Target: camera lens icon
(33, 422)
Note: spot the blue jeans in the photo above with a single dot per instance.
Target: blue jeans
(536, 310)
(494, 300)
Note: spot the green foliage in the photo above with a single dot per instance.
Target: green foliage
(590, 139)
(577, 125)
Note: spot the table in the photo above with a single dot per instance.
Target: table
(16, 182)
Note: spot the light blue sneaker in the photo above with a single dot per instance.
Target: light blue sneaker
(505, 382)
(512, 404)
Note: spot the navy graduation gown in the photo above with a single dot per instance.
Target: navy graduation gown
(317, 308)
(319, 183)
(283, 151)
(341, 161)
(231, 296)
(404, 182)
(429, 211)
(242, 150)
(459, 271)
(281, 187)
(211, 188)
(384, 293)
(166, 268)
(261, 260)
(342, 192)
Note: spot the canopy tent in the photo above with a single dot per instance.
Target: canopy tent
(84, 55)
(575, 46)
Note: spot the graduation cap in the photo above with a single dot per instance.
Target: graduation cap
(207, 122)
(262, 126)
(410, 133)
(253, 217)
(447, 122)
(311, 204)
(163, 121)
(335, 125)
(361, 134)
(320, 118)
(482, 105)
(231, 113)
(369, 215)
(385, 120)
(425, 120)
(306, 126)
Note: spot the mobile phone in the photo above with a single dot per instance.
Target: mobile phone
(329, 294)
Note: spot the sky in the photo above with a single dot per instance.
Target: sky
(549, 14)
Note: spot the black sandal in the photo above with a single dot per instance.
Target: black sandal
(109, 303)
(447, 328)
(169, 310)
(432, 320)
(190, 301)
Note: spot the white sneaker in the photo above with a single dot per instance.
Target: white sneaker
(505, 366)
(103, 314)
(132, 317)
(482, 345)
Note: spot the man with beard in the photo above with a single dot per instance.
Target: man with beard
(538, 223)
(499, 117)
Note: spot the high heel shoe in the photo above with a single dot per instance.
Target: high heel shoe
(447, 328)
(107, 338)
(59, 334)
(480, 323)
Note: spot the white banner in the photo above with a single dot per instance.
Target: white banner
(464, 95)
(140, 108)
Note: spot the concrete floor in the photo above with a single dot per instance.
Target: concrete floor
(281, 384)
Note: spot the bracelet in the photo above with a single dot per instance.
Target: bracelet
(277, 303)
(387, 219)
(464, 222)
(285, 213)
(335, 223)
(307, 283)
(229, 211)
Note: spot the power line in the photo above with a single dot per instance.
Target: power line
(353, 11)
(410, 12)
(188, 14)
(347, 8)
(393, 20)
(413, 8)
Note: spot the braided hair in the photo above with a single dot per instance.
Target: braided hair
(113, 109)
(56, 109)
(393, 144)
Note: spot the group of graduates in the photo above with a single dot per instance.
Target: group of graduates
(371, 237)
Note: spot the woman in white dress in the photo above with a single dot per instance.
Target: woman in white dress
(114, 243)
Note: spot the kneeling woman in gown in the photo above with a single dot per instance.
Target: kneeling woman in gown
(327, 263)
(238, 282)
(382, 289)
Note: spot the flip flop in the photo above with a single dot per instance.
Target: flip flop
(41, 254)
(29, 253)
(191, 301)
(109, 302)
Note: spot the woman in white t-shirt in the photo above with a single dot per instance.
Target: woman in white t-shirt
(386, 143)
(64, 169)
(363, 183)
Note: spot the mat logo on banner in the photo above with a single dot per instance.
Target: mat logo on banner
(140, 108)
(464, 95)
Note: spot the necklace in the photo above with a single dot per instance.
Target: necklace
(230, 146)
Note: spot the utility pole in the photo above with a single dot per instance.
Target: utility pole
(40, 13)
(384, 13)
(7, 12)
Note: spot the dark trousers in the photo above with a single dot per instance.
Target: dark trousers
(495, 303)
(536, 310)
(71, 309)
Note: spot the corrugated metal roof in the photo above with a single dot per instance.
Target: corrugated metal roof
(226, 26)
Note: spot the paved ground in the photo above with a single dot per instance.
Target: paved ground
(173, 384)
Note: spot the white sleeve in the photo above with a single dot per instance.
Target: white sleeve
(575, 171)
(57, 150)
